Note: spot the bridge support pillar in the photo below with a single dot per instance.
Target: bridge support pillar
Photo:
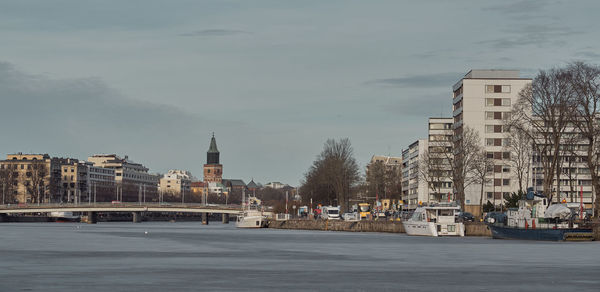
(92, 217)
(137, 217)
(204, 218)
(2, 216)
(225, 218)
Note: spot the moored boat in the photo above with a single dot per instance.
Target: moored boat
(253, 215)
(533, 220)
(438, 220)
(64, 217)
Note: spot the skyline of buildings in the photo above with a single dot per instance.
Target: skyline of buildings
(109, 177)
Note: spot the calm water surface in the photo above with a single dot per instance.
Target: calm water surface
(190, 256)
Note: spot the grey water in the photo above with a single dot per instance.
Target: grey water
(162, 256)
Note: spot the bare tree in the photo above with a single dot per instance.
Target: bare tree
(36, 176)
(434, 169)
(483, 167)
(333, 173)
(376, 178)
(520, 148)
(7, 184)
(467, 145)
(393, 182)
(546, 105)
(585, 81)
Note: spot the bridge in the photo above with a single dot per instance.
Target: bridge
(136, 208)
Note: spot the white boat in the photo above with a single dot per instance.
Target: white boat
(440, 220)
(251, 219)
(253, 216)
(64, 217)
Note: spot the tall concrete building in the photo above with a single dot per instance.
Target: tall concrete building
(414, 189)
(133, 182)
(213, 170)
(440, 152)
(482, 100)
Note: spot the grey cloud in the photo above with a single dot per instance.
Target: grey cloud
(430, 80)
(434, 105)
(588, 54)
(518, 7)
(537, 35)
(79, 117)
(215, 32)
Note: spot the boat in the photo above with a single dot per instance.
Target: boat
(253, 215)
(435, 220)
(64, 217)
(533, 220)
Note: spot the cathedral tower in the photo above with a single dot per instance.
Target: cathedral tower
(213, 171)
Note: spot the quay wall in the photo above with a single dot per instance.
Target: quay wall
(340, 225)
(477, 229)
(471, 228)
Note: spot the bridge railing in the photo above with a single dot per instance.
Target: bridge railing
(117, 205)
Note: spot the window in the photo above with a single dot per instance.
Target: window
(490, 155)
(489, 115)
(506, 102)
(497, 115)
(497, 88)
(489, 102)
(497, 182)
(490, 195)
(506, 182)
(489, 128)
(506, 155)
(497, 168)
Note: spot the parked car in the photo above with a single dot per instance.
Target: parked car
(350, 216)
(495, 217)
(466, 217)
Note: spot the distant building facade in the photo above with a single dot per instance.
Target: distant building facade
(414, 189)
(133, 182)
(440, 155)
(176, 182)
(33, 178)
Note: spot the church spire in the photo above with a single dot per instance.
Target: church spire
(212, 156)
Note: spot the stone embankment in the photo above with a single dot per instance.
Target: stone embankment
(471, 228)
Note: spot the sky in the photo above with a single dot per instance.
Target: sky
(272, 79)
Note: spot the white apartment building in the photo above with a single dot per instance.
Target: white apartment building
(482, 100)
(414, 189)
(440, 149)
(133, 182)
(176, 181)
(574, 180)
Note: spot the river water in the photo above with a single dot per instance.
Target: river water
(162, 256)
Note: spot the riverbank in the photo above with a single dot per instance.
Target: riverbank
(471, 228)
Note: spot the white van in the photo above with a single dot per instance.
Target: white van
(330, 213)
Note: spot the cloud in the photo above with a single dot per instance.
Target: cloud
(79, 117)
(588, 54)
(214, 32)
(531, 35)
(431, 105)
(429, 80)
(518, 8)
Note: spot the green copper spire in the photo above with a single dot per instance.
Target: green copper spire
(212, 156)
